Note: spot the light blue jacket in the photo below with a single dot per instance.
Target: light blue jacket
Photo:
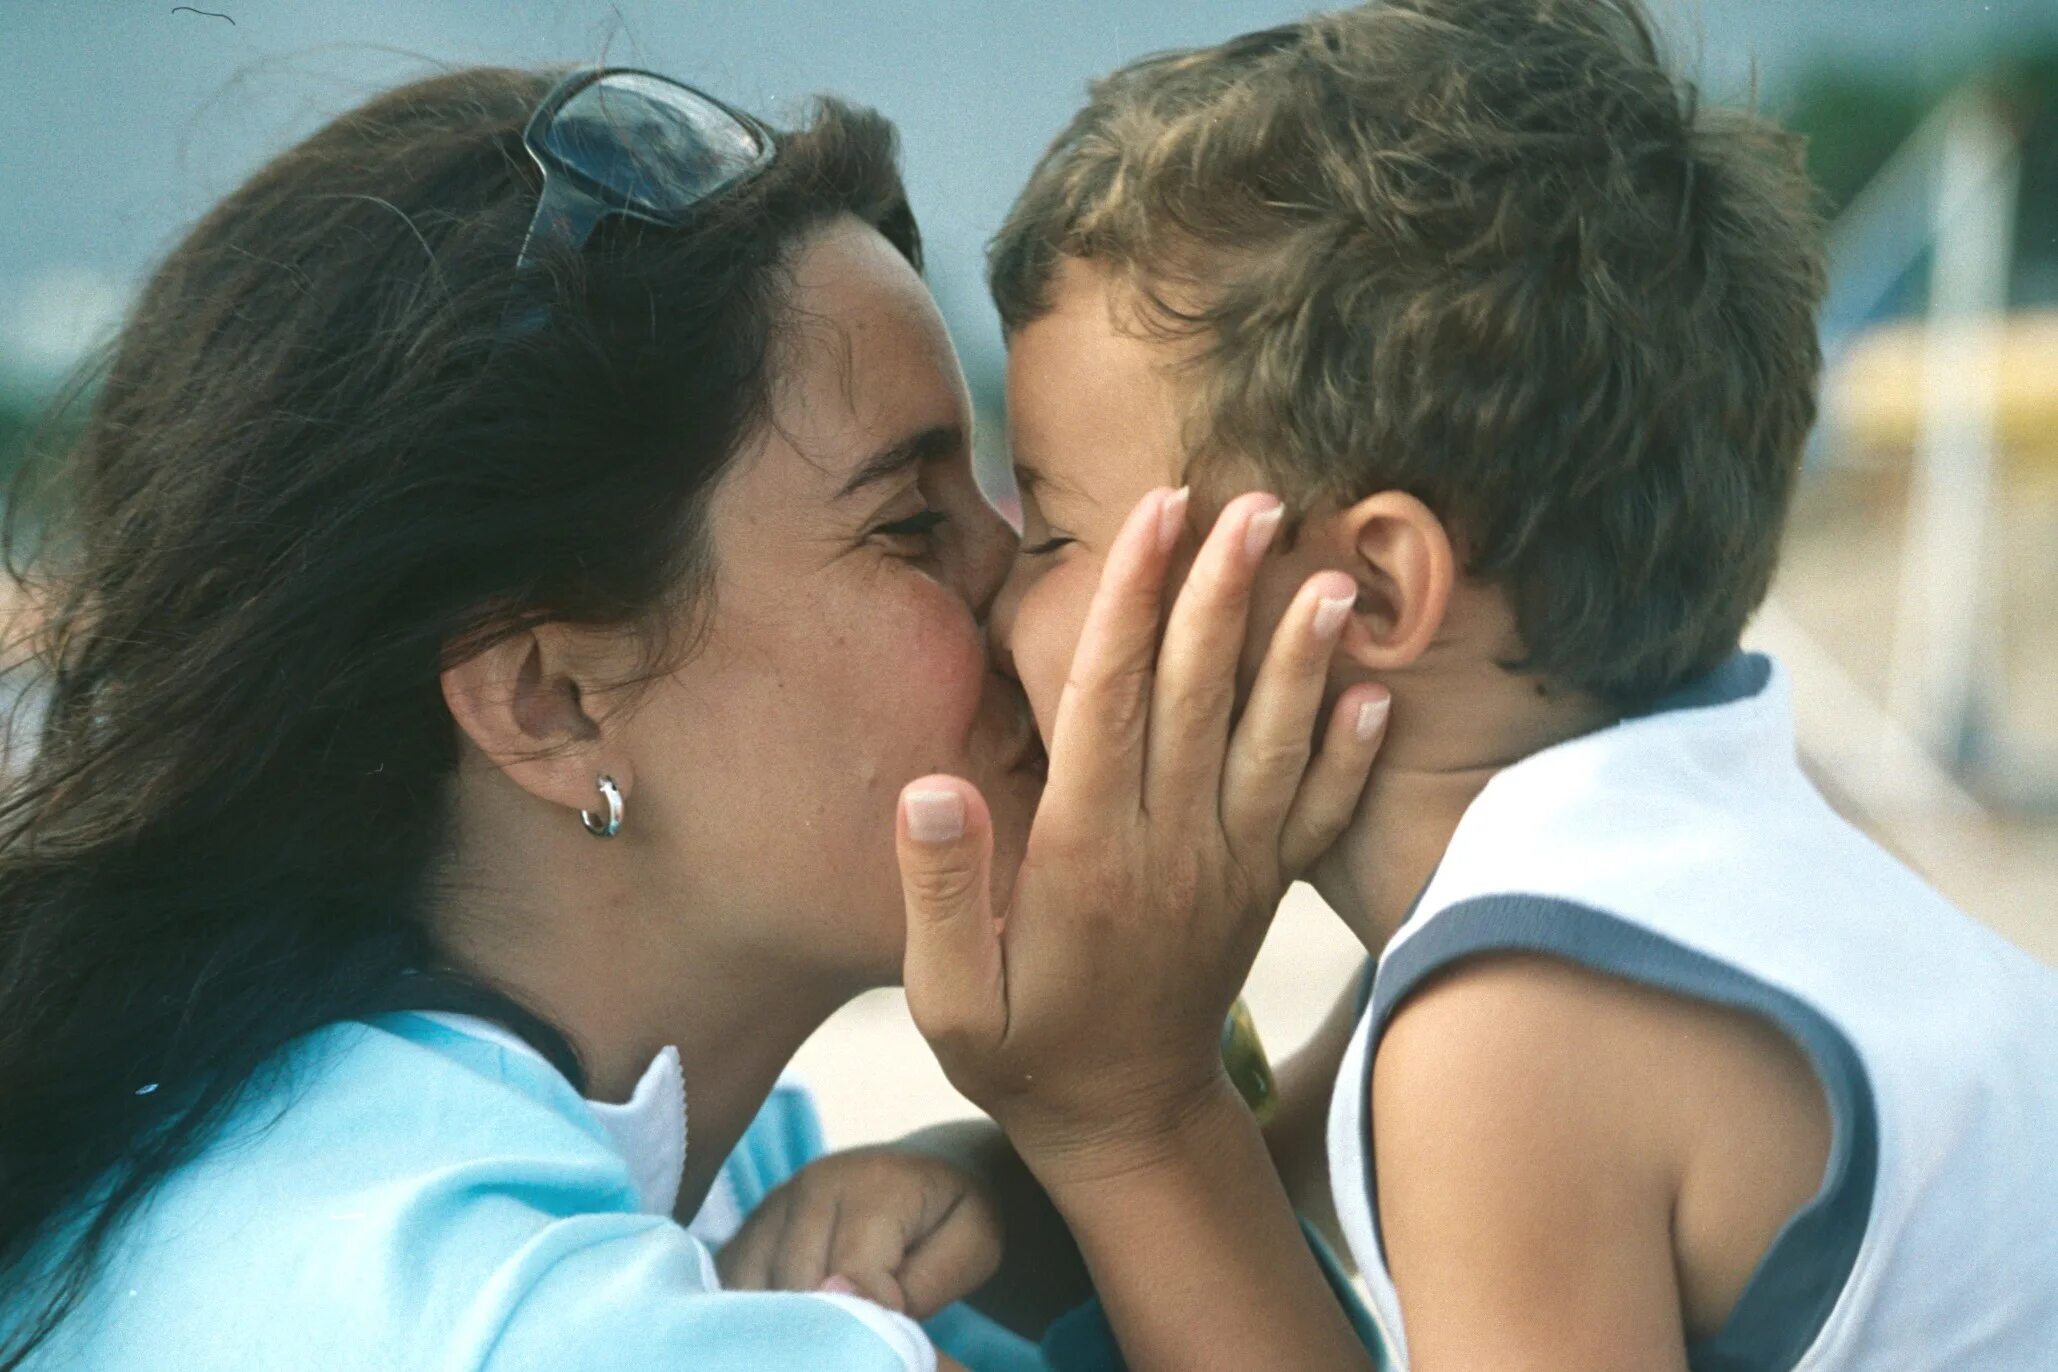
(405, 1195)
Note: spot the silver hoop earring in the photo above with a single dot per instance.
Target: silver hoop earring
(613, 824)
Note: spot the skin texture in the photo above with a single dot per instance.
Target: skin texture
(1666, 1208)
(750, 891)
(1678, 1137)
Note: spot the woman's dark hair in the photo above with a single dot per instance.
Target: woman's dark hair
(311, 480)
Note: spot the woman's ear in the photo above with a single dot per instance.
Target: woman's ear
(525, 705)
(1401, 556)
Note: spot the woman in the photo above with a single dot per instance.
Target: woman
(491, 618)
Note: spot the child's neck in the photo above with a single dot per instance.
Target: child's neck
(1454, 727)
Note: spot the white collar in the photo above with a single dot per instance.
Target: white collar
(648, 1130)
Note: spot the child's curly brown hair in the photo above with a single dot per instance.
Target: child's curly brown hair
(1489, 252)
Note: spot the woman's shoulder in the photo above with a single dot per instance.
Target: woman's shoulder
(400, 1193)
(376, 1173)
(400, 1120)
(402, 1097)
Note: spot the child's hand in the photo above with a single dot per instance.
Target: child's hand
(906, 1230)
(1087, 1018)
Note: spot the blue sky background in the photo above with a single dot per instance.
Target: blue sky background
(123, 120)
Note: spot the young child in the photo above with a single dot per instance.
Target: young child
(1664, 1064)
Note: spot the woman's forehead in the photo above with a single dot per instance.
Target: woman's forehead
(867, 364)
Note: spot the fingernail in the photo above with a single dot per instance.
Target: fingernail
(1257, 535)
(1172, 518)
(1330, 613)
(935, 816)
(839, 1286)
(1372, 717)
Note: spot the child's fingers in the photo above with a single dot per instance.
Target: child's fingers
(953, 1260)
(1098, 739)
(745, 1262)
(952, 968)
(1335, 781)
(867, 1251)
(1268, 756)
(1195, 691)
(800, 1259)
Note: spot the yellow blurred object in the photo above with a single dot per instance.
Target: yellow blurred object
(1874, 399)
(1243, 1054)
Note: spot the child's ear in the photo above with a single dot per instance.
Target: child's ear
(1405, 567)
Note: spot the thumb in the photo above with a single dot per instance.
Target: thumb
(952, 967)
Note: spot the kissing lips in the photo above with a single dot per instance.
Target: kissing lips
(1030, 756)
(1035, 760)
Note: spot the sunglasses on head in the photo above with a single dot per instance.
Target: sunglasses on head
(618, 141)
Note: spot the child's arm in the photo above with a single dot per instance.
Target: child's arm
(1577, 1172)
(918, 1223)
(1086, 1015)
(1041, 1274)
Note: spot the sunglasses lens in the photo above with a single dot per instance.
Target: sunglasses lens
(650, 145)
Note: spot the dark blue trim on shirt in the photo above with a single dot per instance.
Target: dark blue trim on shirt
(1082, 1340)
(1740, 677)
(1789, 1297)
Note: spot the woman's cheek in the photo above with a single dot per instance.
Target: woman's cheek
(944, 658)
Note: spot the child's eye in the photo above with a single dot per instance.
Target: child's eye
(921, 526)
(1049, 545)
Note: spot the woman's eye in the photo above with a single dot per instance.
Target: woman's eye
(922, 526)
(1049, 545)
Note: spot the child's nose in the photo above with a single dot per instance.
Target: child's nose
(1000, 623)
(994, 543)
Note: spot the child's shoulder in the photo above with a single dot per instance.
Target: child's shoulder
(1524, 1103)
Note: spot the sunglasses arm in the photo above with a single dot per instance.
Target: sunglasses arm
(564, 214)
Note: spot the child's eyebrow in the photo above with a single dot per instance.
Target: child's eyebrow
(1032, 480)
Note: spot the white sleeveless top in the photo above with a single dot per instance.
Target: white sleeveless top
(1684, 849)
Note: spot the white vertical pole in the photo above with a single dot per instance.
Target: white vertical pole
(1940, 632)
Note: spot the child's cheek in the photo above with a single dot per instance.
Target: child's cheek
(1047, 633)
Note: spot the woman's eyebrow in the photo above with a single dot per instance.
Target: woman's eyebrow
(930, 445)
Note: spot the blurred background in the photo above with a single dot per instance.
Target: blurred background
(1918, 602)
